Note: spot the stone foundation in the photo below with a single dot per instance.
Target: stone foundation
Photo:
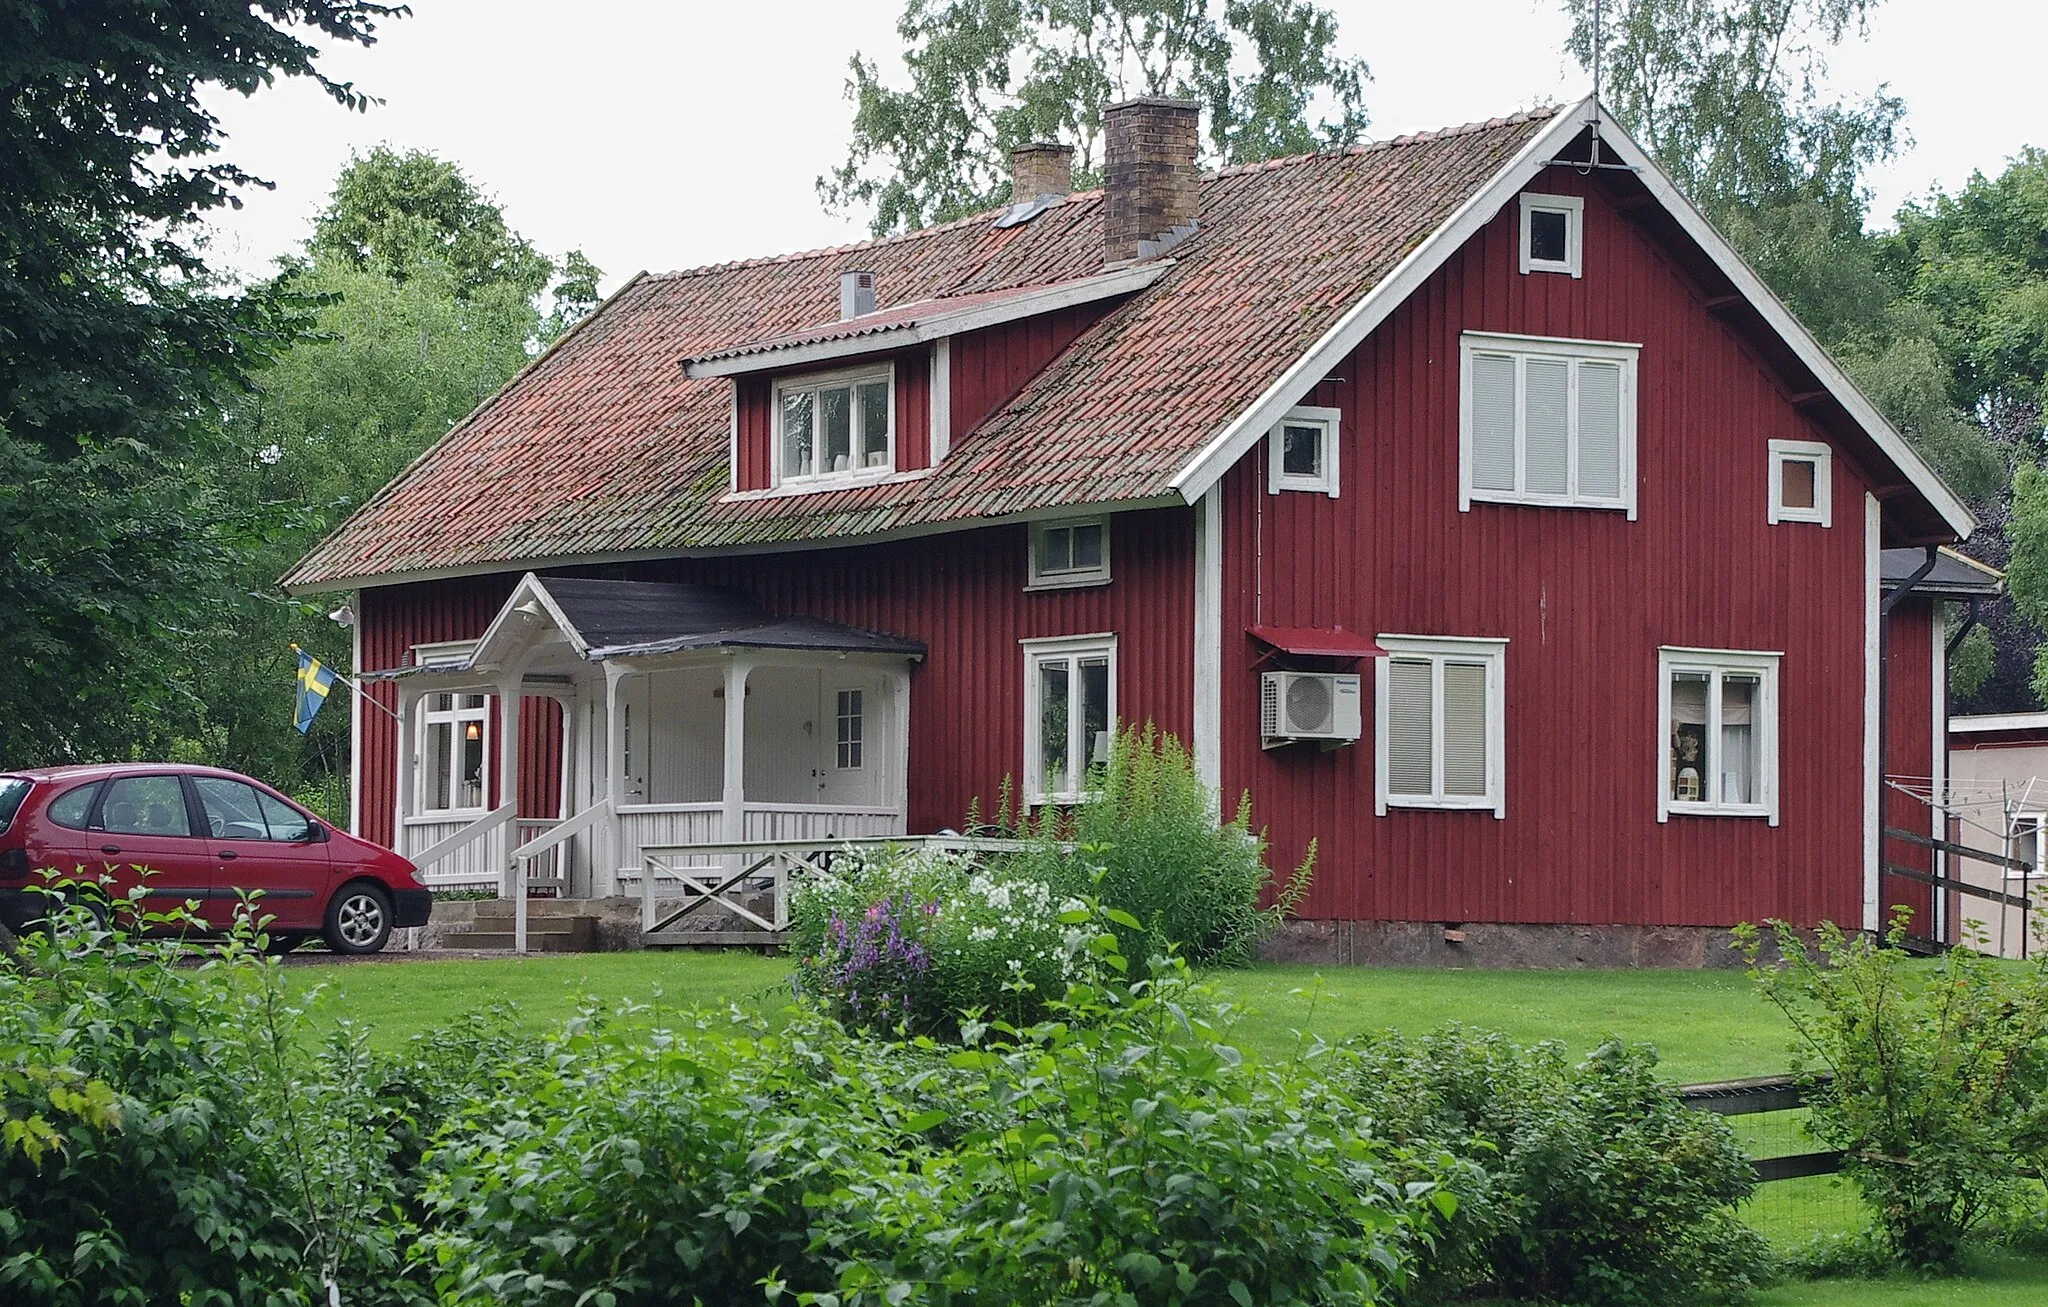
(1499, 946)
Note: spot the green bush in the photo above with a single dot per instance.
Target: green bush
(1150, 827)
(912, 939)
(1597, 1185)
(1121, 1152)
(1936, 1076)
(204, 1148)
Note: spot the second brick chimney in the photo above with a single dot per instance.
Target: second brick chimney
(1040, 168)
(1151, 184)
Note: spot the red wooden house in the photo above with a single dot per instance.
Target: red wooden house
(1463, 497)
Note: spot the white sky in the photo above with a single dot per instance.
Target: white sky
(670, 133)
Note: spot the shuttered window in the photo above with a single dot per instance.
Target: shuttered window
(1718, 728)
(1440, 723)
(1547, 422)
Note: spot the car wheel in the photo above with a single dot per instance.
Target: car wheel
(358, 919)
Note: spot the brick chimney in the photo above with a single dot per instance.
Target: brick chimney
(1151, 183)
(1040, 168)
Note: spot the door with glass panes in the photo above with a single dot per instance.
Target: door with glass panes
(853, 759)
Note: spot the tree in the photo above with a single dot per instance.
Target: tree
(398, 213)
(988, 75)
(426, 302)
(115, 341)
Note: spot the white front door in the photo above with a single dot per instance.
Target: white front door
(853, 739)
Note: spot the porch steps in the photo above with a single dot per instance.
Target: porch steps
(767, 940)
(552, 930)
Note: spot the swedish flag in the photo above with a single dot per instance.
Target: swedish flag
(314, 682)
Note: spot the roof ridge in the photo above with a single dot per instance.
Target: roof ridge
(1094, 194)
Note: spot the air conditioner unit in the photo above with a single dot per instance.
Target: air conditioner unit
(1308, 706)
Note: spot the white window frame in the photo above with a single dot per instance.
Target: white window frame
(1067, 578)
(1574, 210)
(1070, 649)
(816, 381)
(855, 748)
(1437, 649)
(455, 716)
(1822, 456)
(2039, 821)
(1324, 483)
(1672, 659)
(1522, 349)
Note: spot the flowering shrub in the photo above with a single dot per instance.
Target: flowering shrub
(915, 938)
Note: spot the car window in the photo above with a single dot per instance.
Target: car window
(73, 806)
(13, 789)
(232, 812)
(144, 805)
(286, 822)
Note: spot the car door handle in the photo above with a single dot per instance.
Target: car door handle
(227, 853)
(110, 848)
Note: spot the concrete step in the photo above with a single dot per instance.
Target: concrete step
(506, 940)
(534, 925)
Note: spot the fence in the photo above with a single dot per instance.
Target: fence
(1798, 1195)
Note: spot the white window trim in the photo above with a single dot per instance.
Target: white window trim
(1676, 658)
(1036, 651)
(2039, 821)
(1554, 347)
(853, 476)
(1277, 478)
(455, 717)
(1071, 578)
(1822, 456)
(1574, 210)
(1438, 647)
(859, 716)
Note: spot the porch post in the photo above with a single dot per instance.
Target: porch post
(508, 782)
(612, 845)
(575, 790)
(735, 824)
(407, 781)
(899, 738)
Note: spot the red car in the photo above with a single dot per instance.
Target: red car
(207, 836)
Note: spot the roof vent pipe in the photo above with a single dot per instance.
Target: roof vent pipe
(1152, 184)
(856, 294)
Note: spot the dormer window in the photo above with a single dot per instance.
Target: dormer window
(1553, 234)
(840, 425)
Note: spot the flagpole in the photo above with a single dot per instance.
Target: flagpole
(360, 692)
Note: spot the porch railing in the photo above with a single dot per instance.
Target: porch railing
(542, 859)
(734, 876)
(479, 871)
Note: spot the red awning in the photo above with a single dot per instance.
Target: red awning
(1317, 641)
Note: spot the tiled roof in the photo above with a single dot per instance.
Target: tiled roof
(602, 447)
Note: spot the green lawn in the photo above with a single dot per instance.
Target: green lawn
(1706, 1024)
(1996, 1279)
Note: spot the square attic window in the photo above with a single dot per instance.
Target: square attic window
(1553, 234)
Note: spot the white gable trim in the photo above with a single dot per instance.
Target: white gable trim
(501, 637)
(1222, 452)
(1392, 290)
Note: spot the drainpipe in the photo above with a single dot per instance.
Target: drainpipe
(1956, 637)
(1884, 703)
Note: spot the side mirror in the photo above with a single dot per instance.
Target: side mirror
(315, 833)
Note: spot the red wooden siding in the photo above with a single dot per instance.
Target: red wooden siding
(1909, 754)
(393, 620)
(961, 594)
(1585, 599)
(991, 365)
(756, 398)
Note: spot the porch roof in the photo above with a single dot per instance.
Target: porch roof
(623, 619)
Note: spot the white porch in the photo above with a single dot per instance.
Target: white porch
(687, 718)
